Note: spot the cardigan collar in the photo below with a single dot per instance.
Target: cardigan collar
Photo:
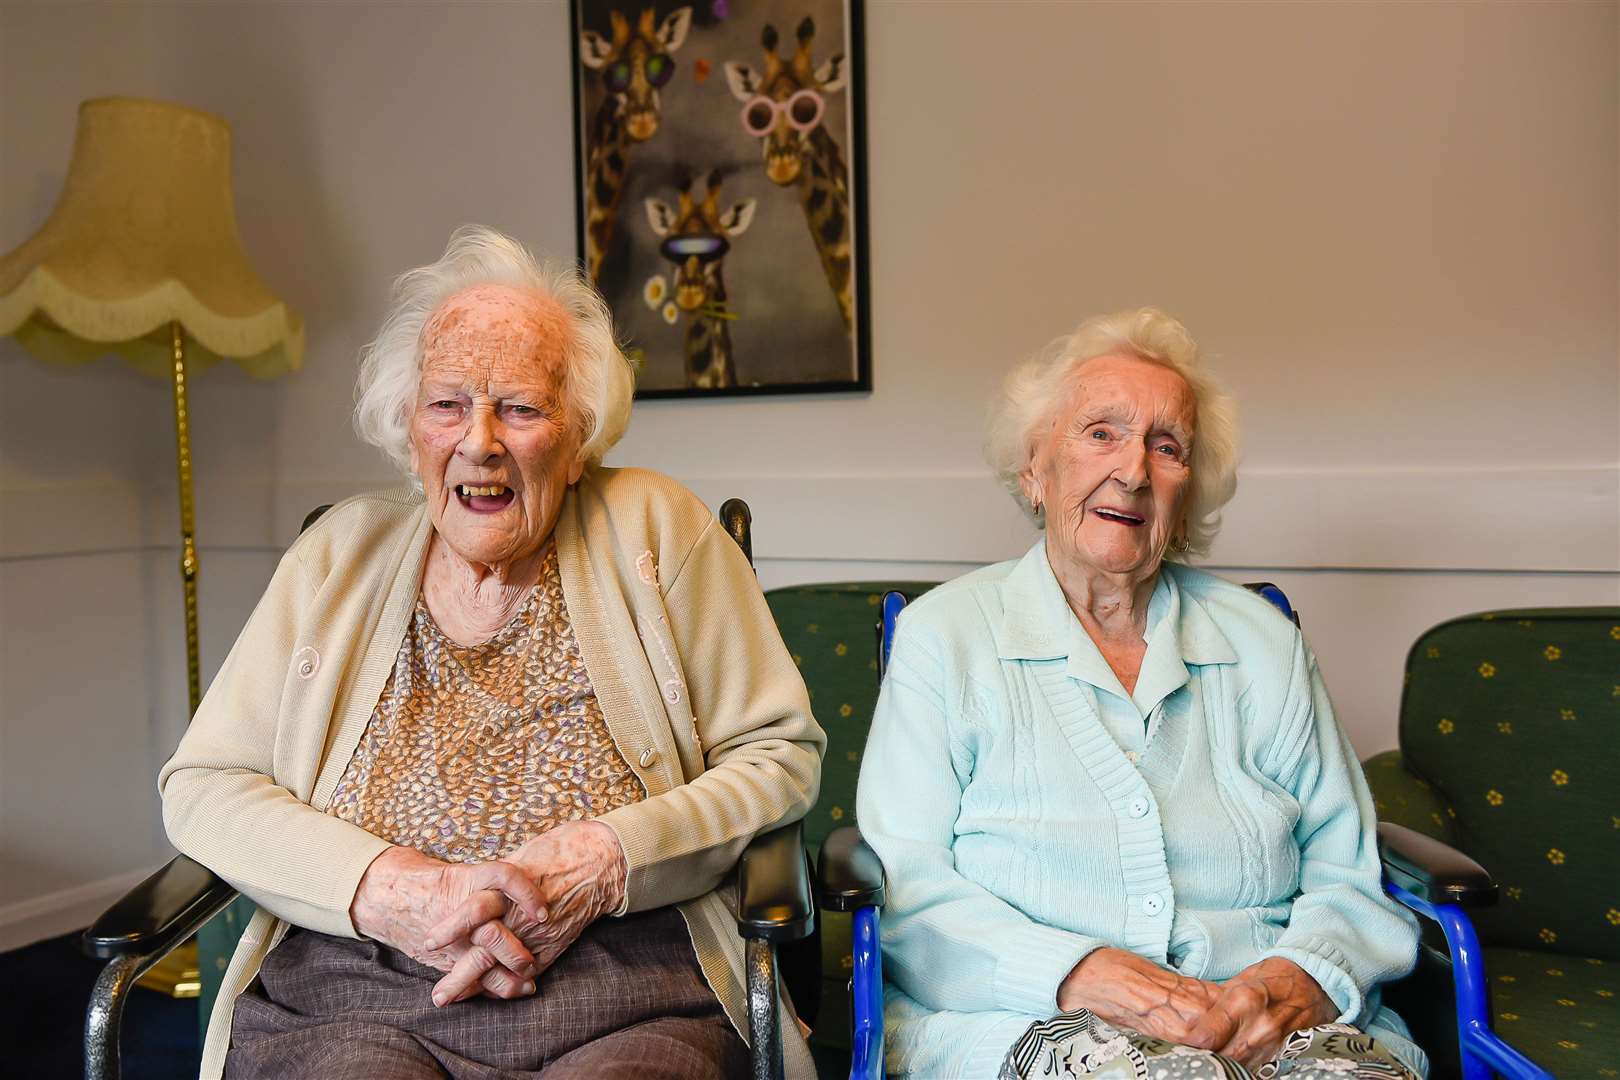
(1036, 624)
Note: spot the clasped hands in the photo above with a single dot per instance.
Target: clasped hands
(1245, 1018)
(492, 927)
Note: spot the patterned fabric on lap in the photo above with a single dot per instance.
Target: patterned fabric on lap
(1082, 1044)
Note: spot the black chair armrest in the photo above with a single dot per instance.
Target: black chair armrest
(160, 912)
(1431, 870)
(773, 887)
(849, 874)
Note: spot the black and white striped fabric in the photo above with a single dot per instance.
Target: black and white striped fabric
(1080, 1044)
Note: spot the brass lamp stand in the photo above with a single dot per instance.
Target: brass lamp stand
(188, 524)
(140, 253)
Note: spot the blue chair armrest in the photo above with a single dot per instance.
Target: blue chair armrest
(1432, 870)
(1437, 882)
(849, 877)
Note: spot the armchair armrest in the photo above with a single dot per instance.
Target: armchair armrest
(849, 874)
(1431, 870)
(160, 912)
(773, 887)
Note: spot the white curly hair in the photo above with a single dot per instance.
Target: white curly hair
(598, 381)
(1021, 413)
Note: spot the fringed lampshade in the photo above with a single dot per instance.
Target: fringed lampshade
(141, 257)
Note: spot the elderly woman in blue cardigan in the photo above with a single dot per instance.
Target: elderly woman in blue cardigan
(1123, 832)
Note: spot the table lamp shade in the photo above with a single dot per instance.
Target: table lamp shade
(144, 236)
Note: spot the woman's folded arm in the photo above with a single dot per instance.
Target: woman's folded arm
(761, 745)
(948, 942)
(1342, 930)
(221, 805)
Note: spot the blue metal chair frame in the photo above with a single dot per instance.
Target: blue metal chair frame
(1480, 1048)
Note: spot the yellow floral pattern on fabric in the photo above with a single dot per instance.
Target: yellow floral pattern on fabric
(1552, 652)
(474, 749)
(1487, 669)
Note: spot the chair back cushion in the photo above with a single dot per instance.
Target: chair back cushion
(831, 630)
(1514, 716)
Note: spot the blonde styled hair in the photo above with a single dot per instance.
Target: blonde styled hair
(598, 381)
(1022, 411)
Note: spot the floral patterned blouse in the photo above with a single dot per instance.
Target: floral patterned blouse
(473, 750)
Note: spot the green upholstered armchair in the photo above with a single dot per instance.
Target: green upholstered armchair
(1510, 752)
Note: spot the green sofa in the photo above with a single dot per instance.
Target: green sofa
(1510, 752)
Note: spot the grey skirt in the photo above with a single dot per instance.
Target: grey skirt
(627, 999)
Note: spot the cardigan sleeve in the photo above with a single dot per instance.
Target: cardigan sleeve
(762, 748)
(1342, 929)
(948, 942)
(221, 805)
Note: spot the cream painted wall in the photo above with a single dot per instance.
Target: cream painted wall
(1396, 227)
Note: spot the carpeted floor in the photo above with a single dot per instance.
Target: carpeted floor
(44, 989)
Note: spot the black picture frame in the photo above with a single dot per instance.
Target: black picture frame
(791, 350)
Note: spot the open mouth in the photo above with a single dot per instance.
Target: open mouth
(1119, 517)
(484, 498)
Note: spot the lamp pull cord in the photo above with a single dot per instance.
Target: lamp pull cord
(188, 548)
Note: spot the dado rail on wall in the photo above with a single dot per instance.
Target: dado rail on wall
(1539, 519)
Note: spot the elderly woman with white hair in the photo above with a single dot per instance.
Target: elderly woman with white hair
(488, 744)
(1123, 833)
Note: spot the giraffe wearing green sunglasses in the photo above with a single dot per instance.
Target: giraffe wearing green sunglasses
(633, 66)
(696, 236)
(783, 106)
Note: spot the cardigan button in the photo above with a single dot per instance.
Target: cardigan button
(1138, 807)
(1152, 904)
(648, 756)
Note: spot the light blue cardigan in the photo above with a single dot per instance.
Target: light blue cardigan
(1018, 834)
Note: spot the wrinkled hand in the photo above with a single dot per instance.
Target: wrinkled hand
(1129, 991)
(578, 870)
(1258, 1008)
(405, 894)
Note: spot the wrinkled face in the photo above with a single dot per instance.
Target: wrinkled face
(1113, 472)
(491, 438)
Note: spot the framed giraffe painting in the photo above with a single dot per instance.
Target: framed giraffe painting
(719, 168)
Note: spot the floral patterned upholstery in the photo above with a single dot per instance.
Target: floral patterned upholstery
(1509, 728)
(831, 631)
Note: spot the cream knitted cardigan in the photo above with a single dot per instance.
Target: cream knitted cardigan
(699, 693)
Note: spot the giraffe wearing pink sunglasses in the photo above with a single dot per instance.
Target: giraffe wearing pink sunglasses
(783, 106)
(633, 66)
(696, 237)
